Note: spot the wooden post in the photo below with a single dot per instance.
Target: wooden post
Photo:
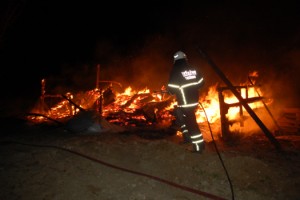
(241, 109)
(223, 111)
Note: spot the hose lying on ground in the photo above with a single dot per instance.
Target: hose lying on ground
(198, 192)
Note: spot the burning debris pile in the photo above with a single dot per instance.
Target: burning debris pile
(130, 108)
(141, 108)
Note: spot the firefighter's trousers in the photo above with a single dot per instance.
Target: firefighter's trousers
(186, 119)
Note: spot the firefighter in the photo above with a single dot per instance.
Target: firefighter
(185, 82)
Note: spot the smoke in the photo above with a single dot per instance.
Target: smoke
(283, 81)
(144, 65)
(238, 41)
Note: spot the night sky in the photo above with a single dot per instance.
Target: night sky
(63, 41)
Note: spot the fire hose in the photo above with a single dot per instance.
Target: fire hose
(219, 155)
(149, 176)
(198, 192)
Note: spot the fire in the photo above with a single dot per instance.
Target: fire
(210, 104)
(143, 106)
(130, 97)
(252, 92)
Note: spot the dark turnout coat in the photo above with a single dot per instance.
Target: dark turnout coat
(185, 82)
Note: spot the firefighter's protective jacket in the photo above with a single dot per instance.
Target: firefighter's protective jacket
(185, 82)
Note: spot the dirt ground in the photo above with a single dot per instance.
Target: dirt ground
(46, 162)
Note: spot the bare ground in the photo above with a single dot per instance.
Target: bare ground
(45, 162)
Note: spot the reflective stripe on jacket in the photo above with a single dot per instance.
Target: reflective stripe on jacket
(184, 101)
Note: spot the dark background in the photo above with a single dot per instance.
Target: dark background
(63, 41)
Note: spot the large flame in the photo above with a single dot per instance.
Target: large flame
(211, 104)
(131, 100)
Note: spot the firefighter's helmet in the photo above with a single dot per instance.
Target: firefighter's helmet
(179, 55)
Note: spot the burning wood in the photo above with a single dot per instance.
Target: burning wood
(130, 108)
(242, 101)
(142, 108)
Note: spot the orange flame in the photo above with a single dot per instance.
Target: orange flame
(131, 100)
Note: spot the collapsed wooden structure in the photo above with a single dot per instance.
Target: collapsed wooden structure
(224, 107)
(242, 101)
(150, 110)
